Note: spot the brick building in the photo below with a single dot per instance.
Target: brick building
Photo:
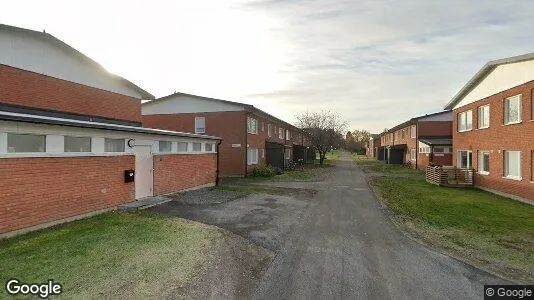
(493, 126)
(419, 141)
(71, 136)
(372, 145)
(251, 137)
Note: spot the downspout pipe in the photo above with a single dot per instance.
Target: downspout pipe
(217, 166)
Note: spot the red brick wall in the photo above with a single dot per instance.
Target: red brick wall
(434, 128)
(30, 89)
(40, 190)
(228, 125)
(176, 172)
(445, 160)
(499, 137)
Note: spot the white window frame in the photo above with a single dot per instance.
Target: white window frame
(288, 135)
(281, 133)
(459, 159)
(73, 136)
(461, 120)
(193, 147)
(27, 134)
(481, 154)
(212, 147)
(197, 127)
(269, 130)
(114, 139)
(517, 98)
(287, 153)
(252, 159)
(178, 147)
(252, 125)
(262, 153)
(159, 147)
(506, 165)
(483, 111)
(413, 131)
(413, 154)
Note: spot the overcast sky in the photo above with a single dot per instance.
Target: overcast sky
(378, 63)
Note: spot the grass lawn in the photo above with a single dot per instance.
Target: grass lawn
(488, 230)
(369, 164)
(119, 255)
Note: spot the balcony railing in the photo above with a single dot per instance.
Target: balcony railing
(449, 176)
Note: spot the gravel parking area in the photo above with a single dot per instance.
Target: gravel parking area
(206, 196)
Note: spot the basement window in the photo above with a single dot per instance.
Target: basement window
(114, 145)
(25, 143)
(165, 146)
(77, 144)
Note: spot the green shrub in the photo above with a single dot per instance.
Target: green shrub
(263, 171)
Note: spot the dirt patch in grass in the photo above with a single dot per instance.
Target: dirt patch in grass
(123, 255)
(489, 231)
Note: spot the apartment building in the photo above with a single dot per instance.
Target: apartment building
(71, 141)
(493, 125)
(371, 148)
(420, 141)
(250, 137)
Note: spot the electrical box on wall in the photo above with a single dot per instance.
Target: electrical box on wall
(129, 175)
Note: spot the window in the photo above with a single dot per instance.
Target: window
(465, 121)
(252, 156)
(165, 146)
(288, 153)
(512, 164)
(483, 162)
(197, 147)
(288, 135)
(17, 143)
(483, 116)
(114, 145)
(182, 146)
(281, 133)
(208, 147)
(412, 131)
(412, 154)
(262, 126)
(77, 144)
(269, 132)
(262, 153)
(396, 136)
(200, 125)
(512, 110)
(464, 159)
(252, 126)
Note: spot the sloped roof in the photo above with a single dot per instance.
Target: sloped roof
(436, 142)
(248, 107)
(29, 118)
(413, 120)
(59, 43)
(482, 73)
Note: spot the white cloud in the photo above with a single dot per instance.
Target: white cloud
(376, 62)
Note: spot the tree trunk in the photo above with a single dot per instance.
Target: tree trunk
(321, 158)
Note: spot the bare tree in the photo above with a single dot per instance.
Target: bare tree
(324, 130)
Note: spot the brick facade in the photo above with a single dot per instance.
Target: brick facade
(231, 126)
(40, 190)
(29, 89)
(176, 172)
(498, 138)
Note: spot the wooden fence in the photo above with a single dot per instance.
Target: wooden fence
(449, 176)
